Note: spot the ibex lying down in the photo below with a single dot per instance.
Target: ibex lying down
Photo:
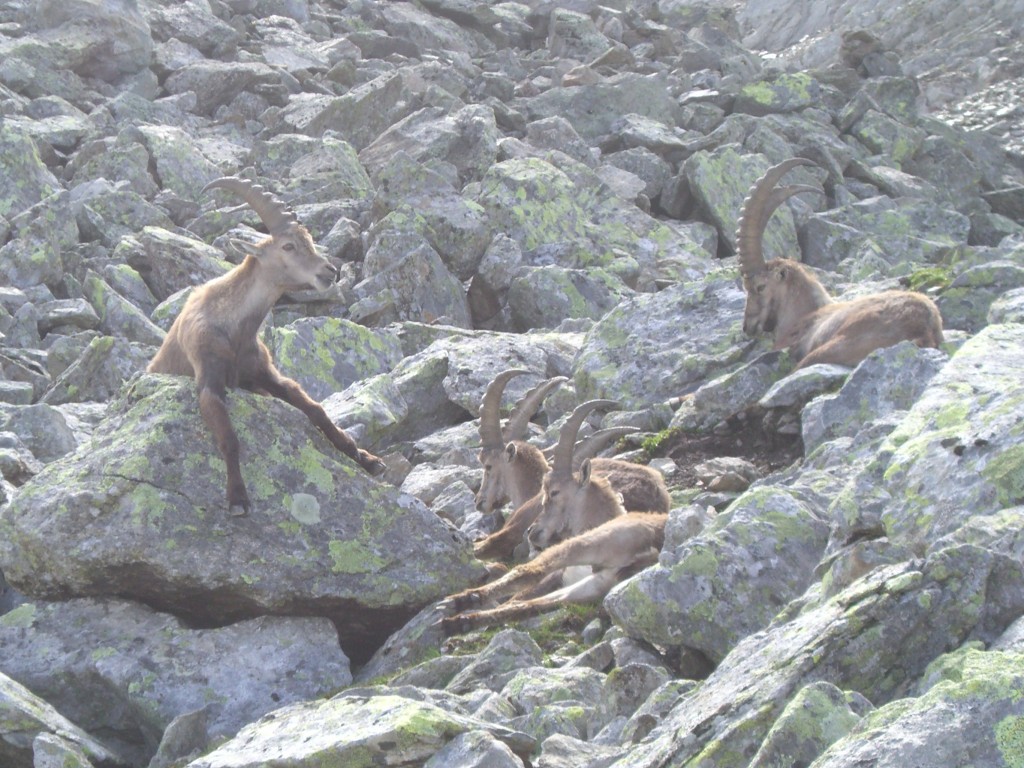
(584, 517)
(784, 298)
(518, 468)
(214, 339)
(615, 550)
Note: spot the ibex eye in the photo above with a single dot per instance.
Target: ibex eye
(289, 246)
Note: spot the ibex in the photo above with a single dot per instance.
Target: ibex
(587, 518)
(615, 550)
(785, 299)
(518, 468)
(573, 501)
(214, 339)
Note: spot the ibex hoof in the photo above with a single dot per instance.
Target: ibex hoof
(372, 464)
(460, 602)
(238, 510)
(456, 625)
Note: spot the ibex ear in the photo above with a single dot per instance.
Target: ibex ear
(585, 470)
(243, 247)
(510, 452)
(780, 274)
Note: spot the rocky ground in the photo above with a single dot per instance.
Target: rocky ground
(546, 186)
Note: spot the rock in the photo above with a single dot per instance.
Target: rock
(952, 458)
(124, 671)
(888, 380)
(702, 594)
(967, 712)
(25, 717)
(357, 731)
(690, 345)
(818, 716)
(127, 511)
(857, 637)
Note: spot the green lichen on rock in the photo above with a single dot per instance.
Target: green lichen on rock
(958, 451)
(970, 705)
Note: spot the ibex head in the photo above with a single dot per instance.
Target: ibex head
(288, 258)
(573, 502)
(766, 283)
(502, 449)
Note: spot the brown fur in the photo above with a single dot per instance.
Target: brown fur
(785, 299)
(214, 340)
(615, 549)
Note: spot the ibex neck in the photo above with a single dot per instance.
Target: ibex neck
(246, 296)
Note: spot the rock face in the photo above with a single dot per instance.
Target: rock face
(552, 187)
(144, 513)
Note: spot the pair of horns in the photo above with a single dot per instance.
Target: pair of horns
(565, 452)
(491, 433)
(276, 216)
(761, 201)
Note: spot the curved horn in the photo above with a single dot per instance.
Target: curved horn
(274, 213)
(593, 444)
(490, 427)
(761, 201)
(523, 411)
(561, 458)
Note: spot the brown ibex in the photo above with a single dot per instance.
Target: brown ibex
(614, 550)
(510, 463)
(785, 299)
(575, 500)
(587, 518)
(215, 340)
(524, 466)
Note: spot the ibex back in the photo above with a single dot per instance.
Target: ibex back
(215, 340)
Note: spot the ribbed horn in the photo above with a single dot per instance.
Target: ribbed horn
(522, 411)
(761, 201)
(561, 458)
(591, 445)
(274, 213)
(490, 407)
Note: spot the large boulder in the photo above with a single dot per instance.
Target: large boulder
(139, 512)
(125, 672)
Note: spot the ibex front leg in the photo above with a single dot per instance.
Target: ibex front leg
(273, 383)
(212, 389)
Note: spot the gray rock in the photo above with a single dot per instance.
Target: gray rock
(24, 717)
(967, 713)
(690, 332)
(474, 749)
(126, 672)
(953, 457)
(888, 380)
(727, 581)
(138, 494)
(353, 730)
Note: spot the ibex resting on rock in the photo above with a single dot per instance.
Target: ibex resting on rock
(214, 339)
(785, 299)
(587, 518)
(516, 469)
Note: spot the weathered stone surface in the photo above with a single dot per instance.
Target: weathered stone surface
(954, 457)
(353, 730)
(687, 346)
(24, 717)
(130, 500)
(728, 581)
(858, 640)
(968, 713)
(125, 672)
